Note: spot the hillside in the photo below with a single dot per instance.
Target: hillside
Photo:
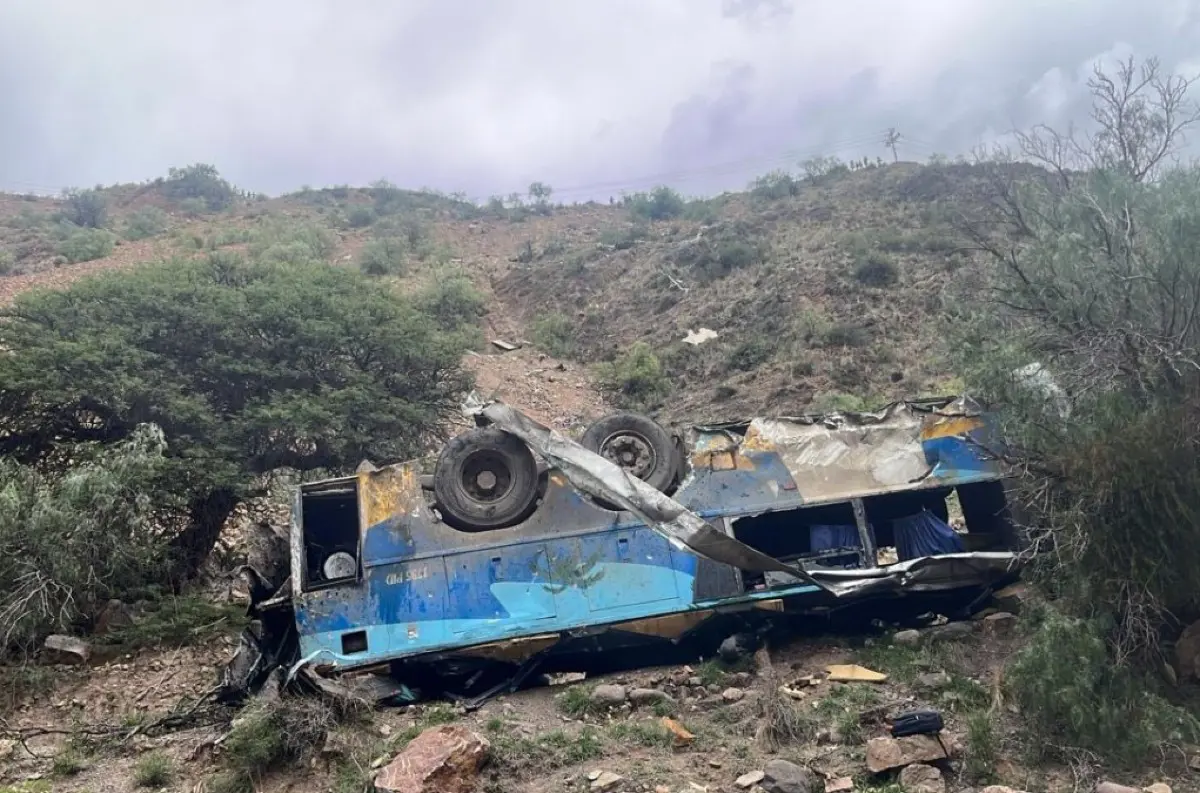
(821, 295)
(825, 292)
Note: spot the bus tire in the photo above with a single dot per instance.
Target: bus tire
(639, 445)
(485, 479)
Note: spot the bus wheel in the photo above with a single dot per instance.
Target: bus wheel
(485, 479)
(637, 444)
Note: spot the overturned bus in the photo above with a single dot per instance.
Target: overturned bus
(525, 546)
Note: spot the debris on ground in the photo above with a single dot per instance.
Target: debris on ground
(853, 673)
(698, 337)
(680, 734)
(59, 649)
(443, 759)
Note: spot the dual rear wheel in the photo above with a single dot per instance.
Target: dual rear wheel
(488, 479)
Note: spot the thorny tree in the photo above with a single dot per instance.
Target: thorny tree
(247, 366)
(1094, 243)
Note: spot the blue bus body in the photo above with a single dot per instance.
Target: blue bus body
(424, 587)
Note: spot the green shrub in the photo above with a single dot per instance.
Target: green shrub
(846, 334)
(292, 243)
(774, 186)
(69, 544)
(636, 377)
(384, 256)
(751, 353)
(202, 186)
(266, 738)
(1071, 694)
(455, 304)
(154, 769)
(360, 217)
(86, 208)
(555, 333)
(661, 203)
(876, 270)
(85, 245)
(623, 237)
(145, 223)
(8, 262)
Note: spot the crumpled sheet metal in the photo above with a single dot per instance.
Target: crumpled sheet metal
(601, 478)
(846, 455)
(924, 574)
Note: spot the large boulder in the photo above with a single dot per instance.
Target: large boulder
(1187, 654)
(887, 753)
(444, 759)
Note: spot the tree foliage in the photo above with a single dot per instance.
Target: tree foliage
(1084, 332)
(69, 544)
(247, 366)
(200, 182)
(86, 208)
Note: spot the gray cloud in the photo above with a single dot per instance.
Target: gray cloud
(592, 97)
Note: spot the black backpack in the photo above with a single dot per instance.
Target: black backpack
(917, 722)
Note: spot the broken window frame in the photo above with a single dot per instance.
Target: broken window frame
(340, 486)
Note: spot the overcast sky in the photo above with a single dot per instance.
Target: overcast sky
(592, 96)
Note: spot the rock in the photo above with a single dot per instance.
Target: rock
(921, 778)
(1000, 789)
(1011, 598)
(951, 631)
(7, 749)
(608, 695)
(336, 746)
(1113, 787)
(886, 753)
(931, 681)
(1187, 653)
(605, 780)
(60, 649)
(114, 616)
(1158, 787)
(780, 776)
(733, 695)
(645, 696)
(1001, 623)
(443, 759)
(741, 679)
(749, 780)
(841, 784)
(695, 680)
(908, 638)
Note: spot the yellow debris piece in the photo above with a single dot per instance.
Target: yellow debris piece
(848, 673)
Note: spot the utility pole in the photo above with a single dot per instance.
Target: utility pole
(890, 139)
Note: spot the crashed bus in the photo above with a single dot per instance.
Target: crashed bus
(525, 545)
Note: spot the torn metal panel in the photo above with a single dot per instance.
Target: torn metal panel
(841, 456)
(600, 478)
(924, 574)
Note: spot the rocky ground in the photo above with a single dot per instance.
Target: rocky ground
(811, 714)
